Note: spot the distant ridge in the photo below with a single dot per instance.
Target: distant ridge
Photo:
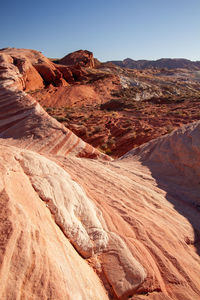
(169, 63)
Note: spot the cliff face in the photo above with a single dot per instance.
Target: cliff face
(73, 227)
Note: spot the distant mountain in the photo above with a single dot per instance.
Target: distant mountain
(169, 63)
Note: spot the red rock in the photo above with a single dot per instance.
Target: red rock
(66, 72)
(28, 61)
(72, 74)
(81, 57)
(91, 91)
(50, 75)
(31, 80)
(37, 260)
(33, 56)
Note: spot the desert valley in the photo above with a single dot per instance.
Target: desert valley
(100, 178)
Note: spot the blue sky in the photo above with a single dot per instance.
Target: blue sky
(112, 29)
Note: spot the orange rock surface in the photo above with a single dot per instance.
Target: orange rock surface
(81, 57)
(78, 94)
(80, 228)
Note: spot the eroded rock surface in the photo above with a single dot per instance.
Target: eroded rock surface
(81, 57)
(37, 261)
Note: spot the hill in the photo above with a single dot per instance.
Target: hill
(168, 63)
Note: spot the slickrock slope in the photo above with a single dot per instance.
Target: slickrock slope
(135, 221)
(154, 205)
(37, 261)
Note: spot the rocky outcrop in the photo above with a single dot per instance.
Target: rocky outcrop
(135, 221)
(31, 79)
(82, 58)
(24, 75)
(50, 75)
(37, 70)
(155, 209)
(72, 74)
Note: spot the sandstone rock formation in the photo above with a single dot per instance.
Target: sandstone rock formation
(73, 73)
(81, 57)
(37, 260)
(34, 65)
(60, 85)
(135, 221)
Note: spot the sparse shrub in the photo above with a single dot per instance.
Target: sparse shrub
(111, 141)
(178, 113)
(67, 108)
(133, 135)
(169, 129)
(96, 129)
(108, 151)
(115, 114)
(197, 116)
(104, 146)
(49, 109)
(127, 124)
(60, 119)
